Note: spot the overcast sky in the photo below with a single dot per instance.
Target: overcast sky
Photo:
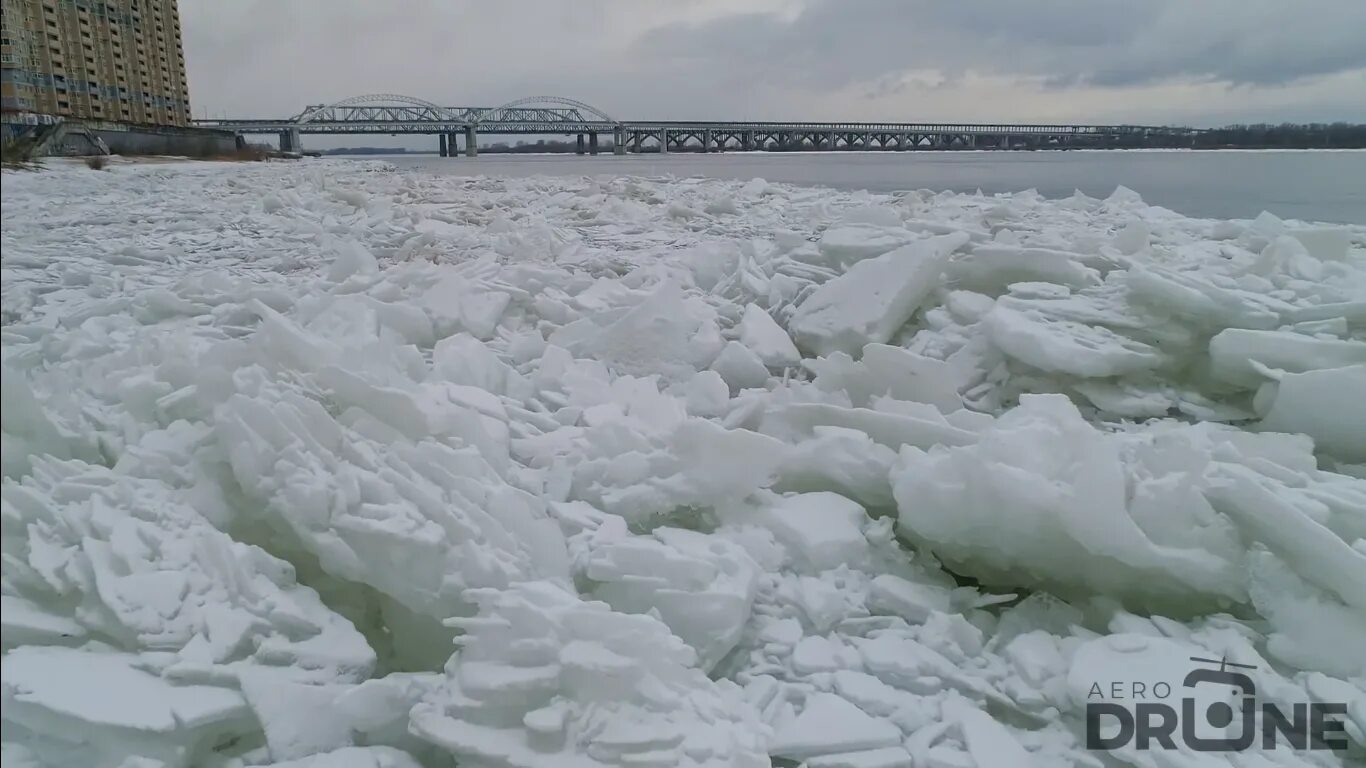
(1193, 62)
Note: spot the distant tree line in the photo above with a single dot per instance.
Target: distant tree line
(544, 145)
(1287, 136)
(370, 151)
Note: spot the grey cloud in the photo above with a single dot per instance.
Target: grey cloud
(822, 59)
(1041, 22)
(1066, 42)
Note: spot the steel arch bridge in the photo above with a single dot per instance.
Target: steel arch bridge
(395, 113)
(390, 113)
(549, 111)
(377, 108)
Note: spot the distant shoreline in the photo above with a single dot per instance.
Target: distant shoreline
(764, 153)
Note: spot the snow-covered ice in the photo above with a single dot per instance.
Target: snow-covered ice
(328, 464)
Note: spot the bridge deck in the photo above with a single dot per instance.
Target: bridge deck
(644, 126)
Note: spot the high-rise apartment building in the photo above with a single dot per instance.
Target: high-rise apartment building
(115, 60)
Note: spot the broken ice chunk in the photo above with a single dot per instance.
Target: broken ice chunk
(855, 242)
(1324, 243)
(874, 298)
(1233, 352)
(830, 725)
(1133, 237)
(887, 757)
(766, 339)
(72, 701)
(820, 654)
(627, 686)
(354, 757)
(701, 586)
(991, 268)
(915, 602)
(1326, 404)
(989, 743)
(823, 529)
(23, 622)
(1066, 346)
(740, 367)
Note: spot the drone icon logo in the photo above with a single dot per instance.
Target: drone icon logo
(1223, 663)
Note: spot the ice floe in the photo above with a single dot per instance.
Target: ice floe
(330, 464)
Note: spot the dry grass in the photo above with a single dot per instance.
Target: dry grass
(97, 162)
(18, 153)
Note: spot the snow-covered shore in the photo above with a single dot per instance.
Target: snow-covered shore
(326, 464)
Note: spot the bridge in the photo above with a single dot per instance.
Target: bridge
(555, 115)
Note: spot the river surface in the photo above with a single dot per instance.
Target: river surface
(1311, 185)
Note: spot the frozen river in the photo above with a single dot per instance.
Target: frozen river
(1320, 186)
(331, 464)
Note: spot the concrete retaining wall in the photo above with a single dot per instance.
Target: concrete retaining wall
(157, 140)
(76, 137)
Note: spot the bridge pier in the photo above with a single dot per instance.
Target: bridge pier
(706, 140)
(471, 142)
(593, 143)
(578, 144)
(441, 145)
(618, 141)
(289, 140)
(664, 141)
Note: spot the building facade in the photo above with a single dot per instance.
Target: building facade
(116, 60)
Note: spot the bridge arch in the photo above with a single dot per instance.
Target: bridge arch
(550, 101)
(410, 107)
